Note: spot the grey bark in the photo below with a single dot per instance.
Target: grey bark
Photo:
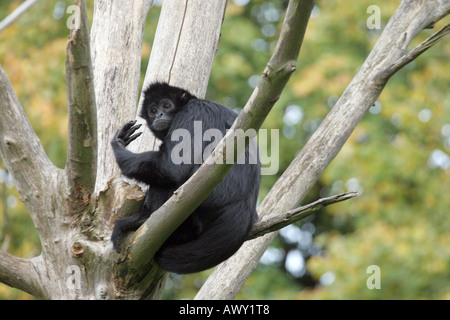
(116, 42)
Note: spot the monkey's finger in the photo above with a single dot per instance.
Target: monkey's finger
(122, 132)
(135, 127)
(128, 125)
(131, 131)
(133, 137)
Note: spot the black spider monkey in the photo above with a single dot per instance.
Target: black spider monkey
(219, 226)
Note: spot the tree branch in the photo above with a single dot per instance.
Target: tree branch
(277, 222)
(82, 151)
(280, 67)
(417, 51)
(304, 171)
(117, 73)
(19, 273)
(22, 152)
(24, 7)
(171, 59)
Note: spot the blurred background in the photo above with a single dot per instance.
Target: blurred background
(398, 158)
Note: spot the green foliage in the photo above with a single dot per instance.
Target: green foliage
(398, 156)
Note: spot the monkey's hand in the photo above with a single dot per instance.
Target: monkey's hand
(126, 134)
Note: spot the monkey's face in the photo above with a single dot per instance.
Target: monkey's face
(160, 114)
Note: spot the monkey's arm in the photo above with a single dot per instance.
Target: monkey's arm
(150, 167)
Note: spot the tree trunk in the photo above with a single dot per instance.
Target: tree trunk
(116, 41)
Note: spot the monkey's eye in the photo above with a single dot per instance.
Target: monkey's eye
(153, 110)
(166, 106)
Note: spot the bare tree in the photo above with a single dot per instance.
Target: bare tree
(74, 208)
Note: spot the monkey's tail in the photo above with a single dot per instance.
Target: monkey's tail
(212, 247)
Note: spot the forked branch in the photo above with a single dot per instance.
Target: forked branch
(22, 152)
(414, 53)
(277, 222)
(19, 273)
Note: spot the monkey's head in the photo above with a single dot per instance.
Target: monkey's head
(161, 103)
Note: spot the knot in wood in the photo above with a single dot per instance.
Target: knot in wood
(77, 249)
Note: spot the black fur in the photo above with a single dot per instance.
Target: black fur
(219, 226)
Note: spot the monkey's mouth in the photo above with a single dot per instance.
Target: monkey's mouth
(161, 125)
